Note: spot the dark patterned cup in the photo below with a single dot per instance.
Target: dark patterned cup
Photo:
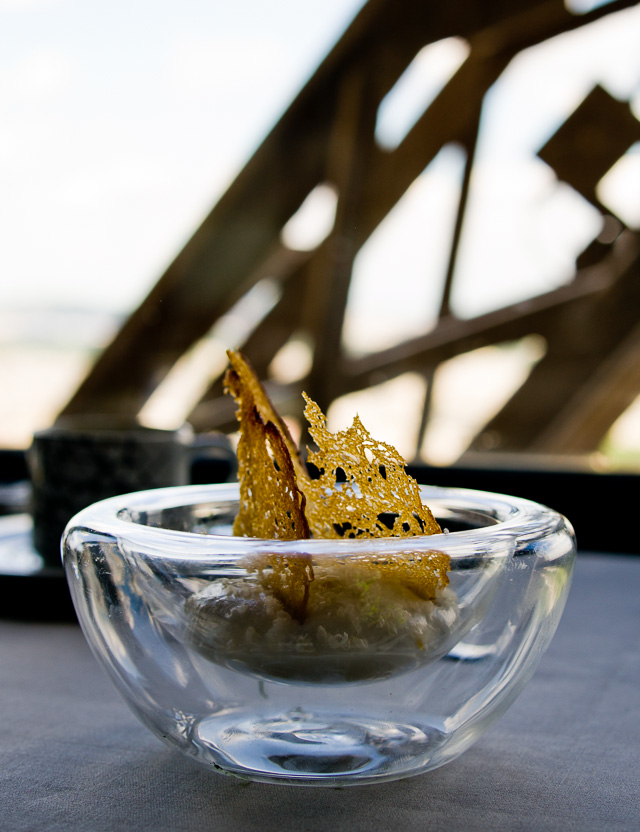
(81, 460)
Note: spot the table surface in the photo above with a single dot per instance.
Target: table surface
(565, 756)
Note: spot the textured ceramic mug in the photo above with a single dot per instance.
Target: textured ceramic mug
(83, 459)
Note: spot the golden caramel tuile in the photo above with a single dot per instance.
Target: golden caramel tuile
(271, 504)
(362, 491)
(247, 386)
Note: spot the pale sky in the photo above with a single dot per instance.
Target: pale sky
(123, 122)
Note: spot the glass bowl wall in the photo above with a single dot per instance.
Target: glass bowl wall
(146, 573)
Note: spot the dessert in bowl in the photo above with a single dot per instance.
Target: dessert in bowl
(322, 622)
(373, 706)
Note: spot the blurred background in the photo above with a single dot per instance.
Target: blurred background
(428, 216)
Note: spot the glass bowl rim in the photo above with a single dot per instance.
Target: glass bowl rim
(517, 523)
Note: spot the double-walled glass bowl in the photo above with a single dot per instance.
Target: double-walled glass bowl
(380, 686)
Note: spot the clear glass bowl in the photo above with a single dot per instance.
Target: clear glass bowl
(378, 685)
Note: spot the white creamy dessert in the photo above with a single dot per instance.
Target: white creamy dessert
(358, 625)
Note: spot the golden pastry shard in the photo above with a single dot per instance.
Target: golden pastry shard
(243, 383)
(362, 489)
(271, 504)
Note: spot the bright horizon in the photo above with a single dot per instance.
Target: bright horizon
(118, 139)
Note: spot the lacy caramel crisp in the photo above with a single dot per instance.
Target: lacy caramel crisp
(360, 490)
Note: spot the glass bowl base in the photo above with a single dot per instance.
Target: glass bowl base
(316, 749)
(362, 689)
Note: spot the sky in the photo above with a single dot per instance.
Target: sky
(123, 122)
